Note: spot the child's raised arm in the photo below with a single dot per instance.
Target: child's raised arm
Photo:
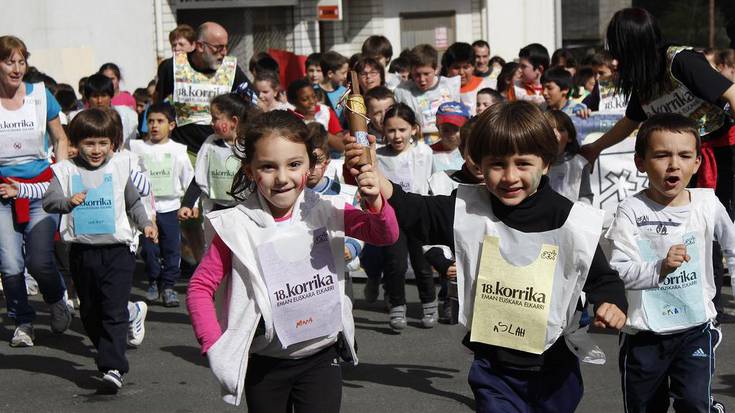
(215, 265)
(55, 202)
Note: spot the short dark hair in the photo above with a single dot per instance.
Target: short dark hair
(379, 93)
(509, 128)
(536, 54)
(458, 53)
(377, 46)
(665, 122)
(262, 61)
(332, 61)
(66, 96)
(95, 122)
(98, 84)
(558, 75)
(314, 59)
(293, 89)
(141, 93)
(481, 43)
(399, 64)
(494, 94)
(268, 76)
(185, 31)
(165, 109)
(318, 137)
(562, 122)
(598, 59)
(563, 54)
(423, 55)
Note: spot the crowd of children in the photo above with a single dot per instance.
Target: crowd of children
(478, 176)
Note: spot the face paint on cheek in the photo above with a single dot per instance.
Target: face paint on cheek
(304, 177)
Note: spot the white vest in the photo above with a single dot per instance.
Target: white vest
(116, 174)
(214, 170)
(410, 169)
(163, 169)
(666, 309)
(23, 131)
(565, 177)
(576, 241)
(243, 228)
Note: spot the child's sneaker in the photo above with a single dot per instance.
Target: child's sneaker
(718, 407)
(69, 303)
(60, 316)
(113, 380)
(23, 336)
(398, 318)
(136, 327)
(431, 315)
(170, 298)
(152, 293)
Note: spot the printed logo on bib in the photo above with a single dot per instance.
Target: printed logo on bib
(160, 170)
(22, 125)
(678, 302)
(96, 215)
(221, 173)
(512, 303)
(305, 299)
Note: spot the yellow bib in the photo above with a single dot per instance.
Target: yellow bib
(511, 306)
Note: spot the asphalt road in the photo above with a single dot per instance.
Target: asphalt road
(417, 371)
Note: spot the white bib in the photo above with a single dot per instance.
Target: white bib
(102, 218)
(570, 247)
(565, 177)
(23, 131)
(300, 274)
(410, 169)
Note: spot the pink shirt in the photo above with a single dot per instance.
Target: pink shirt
(124, 99)
(376, 228)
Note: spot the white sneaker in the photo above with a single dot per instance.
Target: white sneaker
(136, 327)
(113, 380)
(60, 316)
(31, 284)
(69, 303)
(23, 336)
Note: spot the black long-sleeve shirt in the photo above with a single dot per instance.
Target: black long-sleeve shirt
(430, 220)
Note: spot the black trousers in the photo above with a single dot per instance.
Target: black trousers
(657, 367)
(103, 277)
(309, 385)
(392, 263)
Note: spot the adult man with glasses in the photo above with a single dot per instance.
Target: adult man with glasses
(190, 81)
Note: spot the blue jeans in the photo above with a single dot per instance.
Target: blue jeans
(163, 260)
(31, 246)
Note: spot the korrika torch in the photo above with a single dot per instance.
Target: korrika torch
(358, 119)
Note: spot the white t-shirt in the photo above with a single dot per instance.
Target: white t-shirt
(157, 156)
(426, 103)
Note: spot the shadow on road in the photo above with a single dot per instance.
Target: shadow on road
(728, 380)
(187, 353)
(65, 369)
(415, 377)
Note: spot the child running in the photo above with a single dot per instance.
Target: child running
(662, 246)
(170, 172)
(524, 254)
(409, 163)
(569, 175)
(279, 251)
(216, 165)
(101, 204)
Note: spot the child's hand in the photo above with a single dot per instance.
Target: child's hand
(354, 151)
(674, 258)
(348, 256)
(78, 198)
(151, 232)
(195, 213)
(609, 316)
(369, 186)
(9, 190)
(186, 213)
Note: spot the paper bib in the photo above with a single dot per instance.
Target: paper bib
(677, 303)
(160, 171)
(303, 288)
(512, 303)
(221, 172)
(96, 215)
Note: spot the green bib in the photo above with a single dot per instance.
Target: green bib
(161, 171)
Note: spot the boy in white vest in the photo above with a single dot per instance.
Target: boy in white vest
(170, 172)
(662, 243)
(524, 254)
(100, 206)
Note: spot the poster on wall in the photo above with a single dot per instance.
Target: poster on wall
(615, 175)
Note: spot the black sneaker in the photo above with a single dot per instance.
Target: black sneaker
(113, 380)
